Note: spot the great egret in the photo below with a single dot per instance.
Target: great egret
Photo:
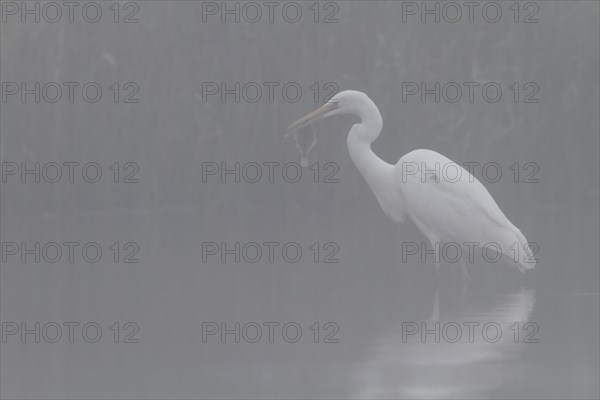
(456, 208)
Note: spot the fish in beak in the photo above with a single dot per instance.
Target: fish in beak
(306, 140)
(324, 111)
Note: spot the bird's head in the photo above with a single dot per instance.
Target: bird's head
(346, 102)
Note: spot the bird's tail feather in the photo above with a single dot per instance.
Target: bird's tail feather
(526, 259)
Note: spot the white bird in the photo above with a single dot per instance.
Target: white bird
(444, 200)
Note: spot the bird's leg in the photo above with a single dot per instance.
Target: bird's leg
(435, 314)
(464, 269)
(436, 249)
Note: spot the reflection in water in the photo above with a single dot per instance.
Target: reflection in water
(418, 368)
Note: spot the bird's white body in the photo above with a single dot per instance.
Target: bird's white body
(443, 199)
(456, 207)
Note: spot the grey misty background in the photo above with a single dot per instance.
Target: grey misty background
(171, 131)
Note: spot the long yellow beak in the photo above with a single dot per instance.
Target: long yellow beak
(314, 116)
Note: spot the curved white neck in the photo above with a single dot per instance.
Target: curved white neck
(373, 169)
